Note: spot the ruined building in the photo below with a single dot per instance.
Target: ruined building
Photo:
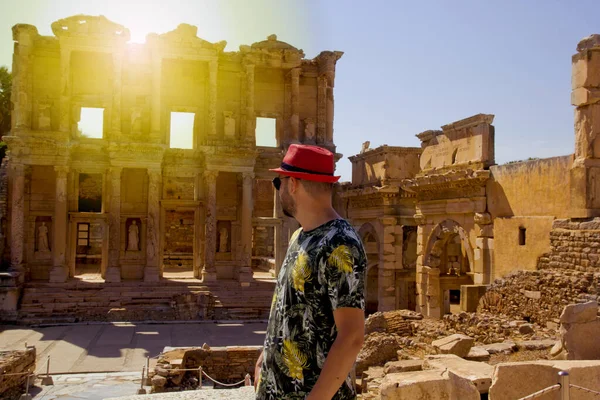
(127, 203)
(442, 221)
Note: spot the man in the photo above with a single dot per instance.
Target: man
(316, 326)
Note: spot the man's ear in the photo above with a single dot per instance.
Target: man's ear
(294, 184)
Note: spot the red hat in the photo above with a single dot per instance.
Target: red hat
(312, 163)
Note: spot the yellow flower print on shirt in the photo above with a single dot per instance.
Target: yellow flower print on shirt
(294, 359)
(341, 258)
(301, 272)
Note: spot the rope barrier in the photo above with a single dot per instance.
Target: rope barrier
(17, 373)
(585, 390)
(542, 392)
(223, 384)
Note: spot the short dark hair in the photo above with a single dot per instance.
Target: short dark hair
(316, 188)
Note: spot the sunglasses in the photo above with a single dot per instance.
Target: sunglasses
(277, 182)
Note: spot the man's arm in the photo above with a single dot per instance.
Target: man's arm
(257, 369)
(350, 323)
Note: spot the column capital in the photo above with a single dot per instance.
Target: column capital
(213, 65)
(61, 170)
(115, 171)
(210, 176)
(154, 172)
(295, 73)
(249, 67)
(18, 169)
(248, 175)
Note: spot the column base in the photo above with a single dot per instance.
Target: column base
(58, 274)
(245, 275)
(151, 274)
(113, 275)
(209, 276)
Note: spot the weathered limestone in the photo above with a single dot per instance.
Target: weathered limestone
(14, 366)
(478, 373)
(520, 379)
(59, 272)
(424, 385)
(17, 222)
(579, 328)
(152, 269)
(247, 206)
(579, 313)
(113, 272)
(209, 272)
(457, 344)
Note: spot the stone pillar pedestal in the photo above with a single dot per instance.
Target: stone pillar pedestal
(247, 206)
(113, 272)
(152, 270)
(17, 221)
(209, 272)
(59, 271)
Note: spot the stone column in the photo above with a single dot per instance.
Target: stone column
(250, 117)
(155, 123)
(200, 223)
(321, 109)
(295, 117)
(152, 270)
(213, 68)
(279, 245)
(585, 96)
(116, 103)
(17, 220)
(21, 96)
(387, 266)
(113, 272)
(209, 272)
(434, 309)
(59, 272)
(65, 90)
(247, 206)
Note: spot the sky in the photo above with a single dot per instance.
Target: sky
(408, 66)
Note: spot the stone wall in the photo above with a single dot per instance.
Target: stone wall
(524, 188)
(509, 253)
(14, 362)
(539, 296)
(225, 364)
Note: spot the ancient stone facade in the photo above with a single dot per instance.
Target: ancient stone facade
(129, 204)
(475, 221)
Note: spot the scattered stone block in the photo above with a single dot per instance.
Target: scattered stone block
(536, 344)
(526, 329)
(519, 379)
(579, 313)
(457, 344)
(505, 347)
(403, 366)
(426, 385)
(478, 354)
(581, 340)
(478, 373)
(159, 381)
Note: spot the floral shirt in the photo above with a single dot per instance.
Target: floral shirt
(323, 270)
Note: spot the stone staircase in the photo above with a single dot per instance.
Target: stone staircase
(168, 300)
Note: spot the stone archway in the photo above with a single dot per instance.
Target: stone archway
(448, 262)
(442, 242)
(371, 242)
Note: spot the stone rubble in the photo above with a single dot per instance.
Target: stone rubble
(15, 362)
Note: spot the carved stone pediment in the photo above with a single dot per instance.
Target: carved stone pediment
(186, 34)
(459, 183)
(89, 25)
(272, 53)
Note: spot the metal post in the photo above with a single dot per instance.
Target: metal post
(26, 396)
(199, 377)
(247, 380)
(147, 381)
(47, 380)
(141, 390)
(563, 379)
